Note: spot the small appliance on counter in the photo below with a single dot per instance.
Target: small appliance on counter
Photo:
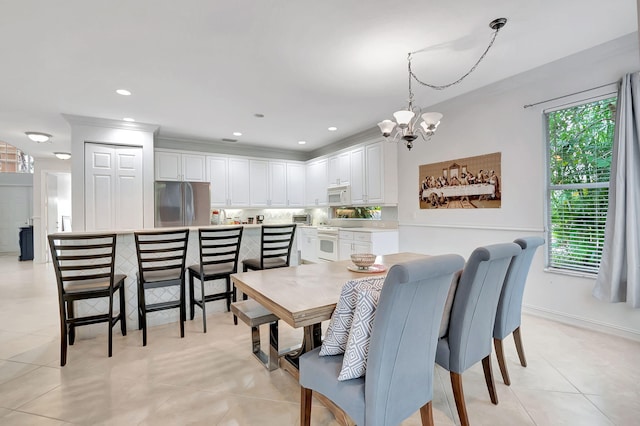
(259, 219)
(301, 219)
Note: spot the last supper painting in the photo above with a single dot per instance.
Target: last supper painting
(463, 183)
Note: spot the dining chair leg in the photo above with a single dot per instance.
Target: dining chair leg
(426, 414)
(519, 348)
(192, 303)
(497, 343)
(488, 377)
(305, 406)
(204, 309)
(458, 395)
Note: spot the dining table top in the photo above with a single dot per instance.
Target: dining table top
(307, 294)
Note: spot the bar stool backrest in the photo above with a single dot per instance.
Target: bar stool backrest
(161, 254)
(83, 259)
(276, 241)
(219, 249)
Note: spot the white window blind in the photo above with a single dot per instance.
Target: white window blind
(580, 141)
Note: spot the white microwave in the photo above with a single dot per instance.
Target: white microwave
(339, 195)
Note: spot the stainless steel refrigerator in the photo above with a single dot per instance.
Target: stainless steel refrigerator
(182, 204)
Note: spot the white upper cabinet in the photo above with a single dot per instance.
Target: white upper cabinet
(374, 174)
(175, 166)
(317, 182)
(340, 169)
(358, 190)
(295, 185)
(217, 172)
(259, 183)
(277, 184)
(239, 182)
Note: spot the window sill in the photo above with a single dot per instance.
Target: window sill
(571, 273)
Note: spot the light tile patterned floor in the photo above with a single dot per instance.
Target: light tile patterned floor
(574, 377)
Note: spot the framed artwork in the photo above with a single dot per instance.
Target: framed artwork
(475, 184)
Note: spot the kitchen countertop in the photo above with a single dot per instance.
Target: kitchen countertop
(131, 231)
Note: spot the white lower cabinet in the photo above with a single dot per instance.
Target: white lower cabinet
(308, 243)
(366, 241)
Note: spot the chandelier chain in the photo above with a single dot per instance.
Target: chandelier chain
(444, 86)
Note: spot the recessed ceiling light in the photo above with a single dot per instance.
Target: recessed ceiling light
(123, 92)
(129, 119)
(301, 142)
(38, 136)
(332, 129)
(237, 134)
(62, 155)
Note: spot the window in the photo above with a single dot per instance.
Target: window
(12, 160)
(580, 142)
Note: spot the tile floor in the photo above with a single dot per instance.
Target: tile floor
(574, 377)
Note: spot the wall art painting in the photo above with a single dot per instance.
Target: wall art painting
(463, 183)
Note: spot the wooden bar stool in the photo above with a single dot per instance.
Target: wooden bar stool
(161, 264)
(84, 266)
(219, 250)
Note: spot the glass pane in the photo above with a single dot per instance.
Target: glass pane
(581, 143)
(577, 228)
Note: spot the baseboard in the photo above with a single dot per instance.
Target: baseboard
(581, 322)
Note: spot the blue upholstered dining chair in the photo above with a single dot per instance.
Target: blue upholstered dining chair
(468, 337)
(399, 378)
(510, 304)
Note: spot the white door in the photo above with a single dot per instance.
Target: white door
(113, 187)
(217, 171)
(14, 215)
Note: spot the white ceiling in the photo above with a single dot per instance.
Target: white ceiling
(200, 69)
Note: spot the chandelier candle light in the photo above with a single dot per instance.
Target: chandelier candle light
(412, 122)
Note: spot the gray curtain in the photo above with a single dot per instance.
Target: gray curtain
(619, 274)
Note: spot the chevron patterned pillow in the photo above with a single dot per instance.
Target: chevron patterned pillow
(354, 363)
(335, 339)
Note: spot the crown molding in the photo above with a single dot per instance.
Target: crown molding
(80, 120)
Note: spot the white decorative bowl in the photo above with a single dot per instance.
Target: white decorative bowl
(363, 260)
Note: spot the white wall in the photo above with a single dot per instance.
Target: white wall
(114, 132)
(492, 119)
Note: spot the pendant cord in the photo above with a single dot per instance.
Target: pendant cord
(444, 86)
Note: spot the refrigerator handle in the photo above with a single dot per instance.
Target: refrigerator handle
(189, 208)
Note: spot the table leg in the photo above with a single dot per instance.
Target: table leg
(312, 338)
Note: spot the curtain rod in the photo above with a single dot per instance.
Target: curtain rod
(570, 94)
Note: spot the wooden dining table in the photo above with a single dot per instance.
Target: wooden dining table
(304, 296)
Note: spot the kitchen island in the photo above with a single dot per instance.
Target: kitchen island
(127, 263)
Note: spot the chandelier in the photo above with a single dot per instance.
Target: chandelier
(412, 122)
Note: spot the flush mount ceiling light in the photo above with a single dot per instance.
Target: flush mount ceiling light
(332, 128)
(62, 155)
(38, 137)
(123, 92)
(129, 119)
(302, 142)
(411, 123)
(237, 134)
